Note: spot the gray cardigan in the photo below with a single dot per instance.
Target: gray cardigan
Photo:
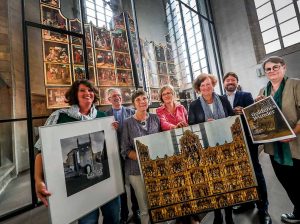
(291, 111)
(132, 129)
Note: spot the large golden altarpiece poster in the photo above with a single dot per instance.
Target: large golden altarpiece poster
(196, 169)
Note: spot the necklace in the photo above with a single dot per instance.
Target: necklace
(142, 122)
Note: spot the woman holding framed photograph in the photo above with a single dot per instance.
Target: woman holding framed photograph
(81, 97)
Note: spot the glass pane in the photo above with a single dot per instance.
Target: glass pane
(202, 53)
(100, 2)
(89, 4)
(291, 39)
(270, 35)
(259, 2)
(199, 37)
(91, 20)
(298, 5)
(100, 16)
(267, 23)
(281, 3)
(14, 167)
(90, 12)
(196, 66)
(194, 58)
(264, 11)
(205, 70)
(286, 13)
(100, 9)
(289, 26)
(203, 63)
(109, 14)
(200, 45)
(273, 46)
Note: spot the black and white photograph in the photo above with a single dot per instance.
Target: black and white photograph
(84, 160)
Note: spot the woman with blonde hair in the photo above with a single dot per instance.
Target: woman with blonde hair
(171, 114)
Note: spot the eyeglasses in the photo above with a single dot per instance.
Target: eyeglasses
(167, 93)
(115, 96)
(274, 68)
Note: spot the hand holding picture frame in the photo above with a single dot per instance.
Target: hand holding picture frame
(81, 160)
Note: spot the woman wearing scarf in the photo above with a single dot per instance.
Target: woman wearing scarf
(208, 107)
(81, 97)
(140, 124)
(285, 154)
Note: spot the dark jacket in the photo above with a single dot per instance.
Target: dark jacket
(196, 113)
(126, 113)
(242, 99)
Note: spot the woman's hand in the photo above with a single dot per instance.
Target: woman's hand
(210, 119)
(260, 97)
(132, 155)
(115, 124)
(41, 192)
(181, 124)
(288, 140)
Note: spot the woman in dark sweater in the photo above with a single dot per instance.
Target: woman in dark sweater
(208, 107)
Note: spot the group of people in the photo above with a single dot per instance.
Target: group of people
(209, 106)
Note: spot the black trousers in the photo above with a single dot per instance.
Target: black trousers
(263, 203)
(288, 176)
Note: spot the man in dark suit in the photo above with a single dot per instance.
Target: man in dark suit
(239, 100)
(121, 113)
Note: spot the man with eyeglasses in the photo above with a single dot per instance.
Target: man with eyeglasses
(285, 154)
(239, 100)
(121, 113)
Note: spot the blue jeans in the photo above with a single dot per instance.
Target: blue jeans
(110, 212)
